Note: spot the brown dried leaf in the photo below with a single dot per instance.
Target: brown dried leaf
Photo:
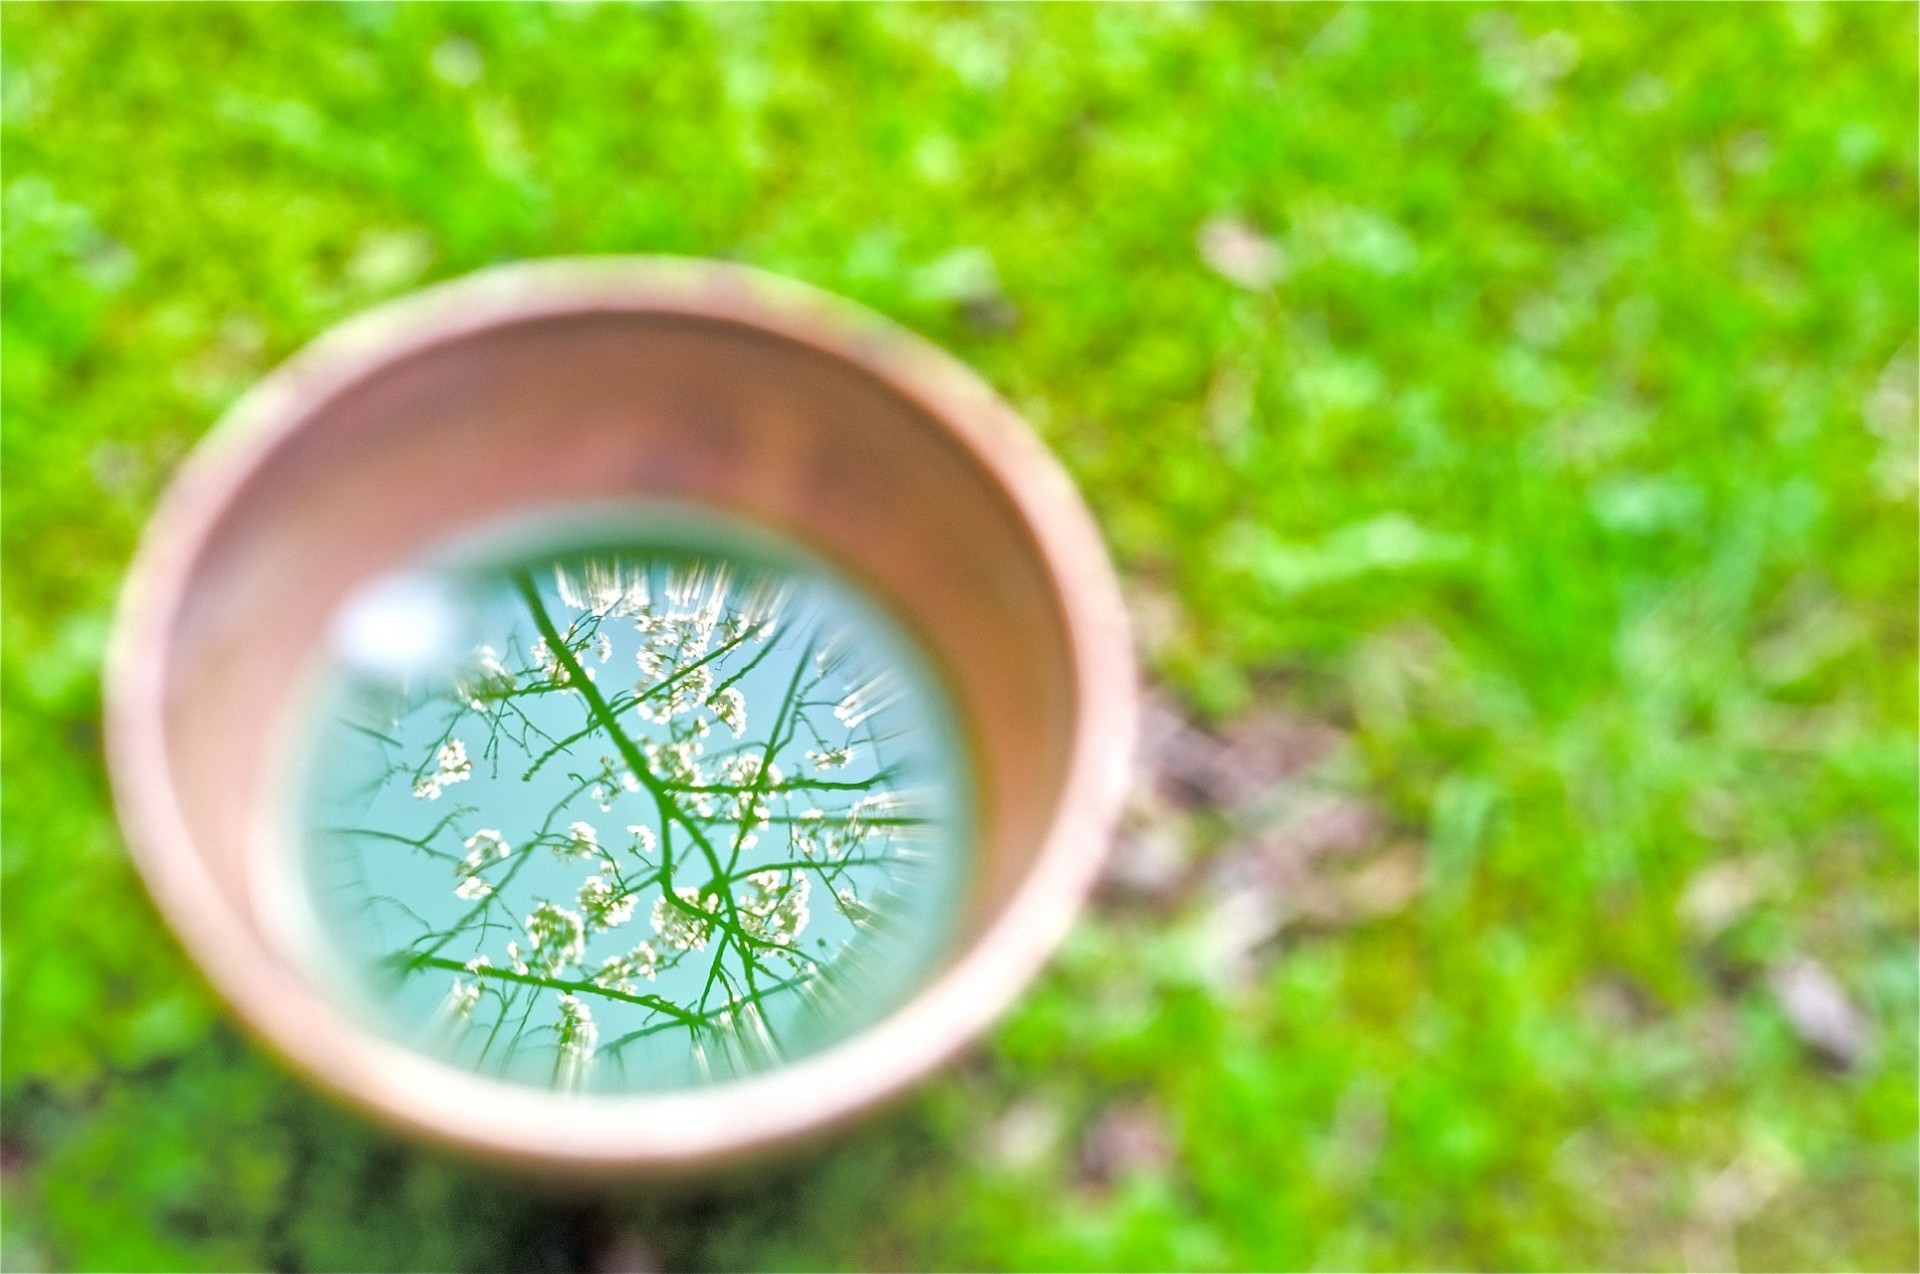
(1308, 867)
(1720, 893)
(1156, 614)
(1384, 886)
(1126, 1141)
(1231, 932)
(628, 1253)
(1263, 749)
(1151, 852)
(1240, 254)
(1820, 1011)
(1247, 760)
(1024, 1136)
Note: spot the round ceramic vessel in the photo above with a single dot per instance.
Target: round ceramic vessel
(559, 383)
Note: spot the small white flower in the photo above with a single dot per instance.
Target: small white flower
(676, 928)
(604, 906)
(485, 676)
(807, 833)
(731, 707)
(604, 648)
(618, 973)
(678, 764)
(578, 1034)
(479, 962)
(858, 828)
(644, 841)
(483, 848)
(749, 805)
(454, 765)
(852, 907)
(488, 842)
(686, 693)
(831, 758)
(462, 996)
(775, 907)
(559, 937)
(487, 660)
(582, 842)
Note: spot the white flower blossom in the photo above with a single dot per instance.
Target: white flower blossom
(854, 909)
(687, 692)
(730, 706)
(486, 677)
(678, 765)
(559, 938)
(679, 930)
(831, 758)
(462, 997)
(774, 908)
(578, 1034)
(619, 973)
(582, 842)
(488, 842)
(749, 806)
(453, 767)
(807, 834)
(857, 827)
(652, 661)
(603, 905)
(644, 841)
(484, 847)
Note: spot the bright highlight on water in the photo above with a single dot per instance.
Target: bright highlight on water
(650, 807)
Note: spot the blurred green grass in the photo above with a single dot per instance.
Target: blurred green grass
(1567, 466)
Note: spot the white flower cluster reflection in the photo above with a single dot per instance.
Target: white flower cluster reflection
(723, 761)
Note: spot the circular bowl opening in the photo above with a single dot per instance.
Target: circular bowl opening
(605, 382)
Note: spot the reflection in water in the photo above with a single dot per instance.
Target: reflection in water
(649, 817)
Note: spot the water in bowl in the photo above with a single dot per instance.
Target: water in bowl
(628, 803)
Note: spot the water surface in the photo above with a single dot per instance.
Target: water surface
(627, 804)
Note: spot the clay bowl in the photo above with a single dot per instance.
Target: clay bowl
(616, 379)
